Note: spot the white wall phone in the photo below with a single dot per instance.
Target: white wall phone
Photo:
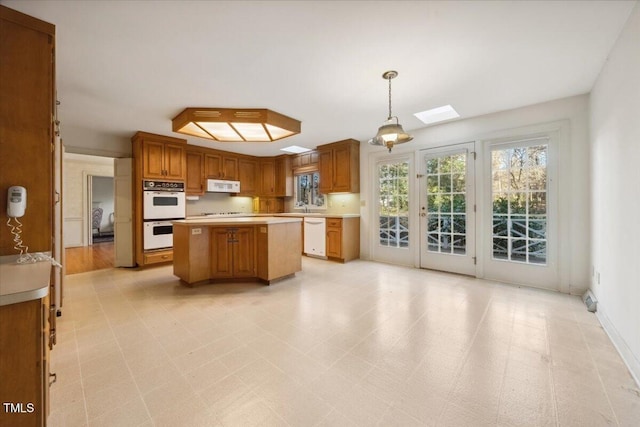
(16, 201)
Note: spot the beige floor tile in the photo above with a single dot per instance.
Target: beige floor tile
(356, 344)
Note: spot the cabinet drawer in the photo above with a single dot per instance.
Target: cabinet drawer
(156, 257)
(334, 222)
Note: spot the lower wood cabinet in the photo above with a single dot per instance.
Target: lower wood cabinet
(156, 257)
(343, 239)
(267, 250)
(24, 364)
(232, 252)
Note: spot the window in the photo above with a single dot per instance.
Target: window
(393, 204)
(519, 196)
(307, 193)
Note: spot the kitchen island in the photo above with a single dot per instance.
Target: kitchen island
(207, 250)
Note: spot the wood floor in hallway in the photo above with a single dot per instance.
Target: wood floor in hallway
(88, 258)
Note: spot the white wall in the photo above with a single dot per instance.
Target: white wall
(75, 170)
(572, 115)
(615, 153)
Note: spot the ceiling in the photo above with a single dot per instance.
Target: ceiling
(128, 66)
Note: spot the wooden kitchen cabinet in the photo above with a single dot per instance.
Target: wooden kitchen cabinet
(233, 252)
(268, 205)
(24, 364)
(339, 167)
(305, 162)
(284, 176)
(221, 166)
(163, 157)
(343, 239)
(194, 184)
(247, 175)
(267, 177)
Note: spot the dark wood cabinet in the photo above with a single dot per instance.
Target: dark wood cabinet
(232, 252)
(339, 167)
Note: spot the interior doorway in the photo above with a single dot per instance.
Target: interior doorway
(101, 200)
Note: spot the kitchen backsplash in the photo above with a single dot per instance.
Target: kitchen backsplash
(219, 202)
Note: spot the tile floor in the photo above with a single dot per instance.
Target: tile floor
(359, 344)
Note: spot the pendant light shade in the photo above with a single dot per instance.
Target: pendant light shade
(391, 132)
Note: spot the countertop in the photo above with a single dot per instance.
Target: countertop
(23, 282)
(285, 215)
(244, 220)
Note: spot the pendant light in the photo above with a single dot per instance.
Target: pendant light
(390, 133)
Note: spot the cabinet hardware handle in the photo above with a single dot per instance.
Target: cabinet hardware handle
(165, 256)
(55, 378)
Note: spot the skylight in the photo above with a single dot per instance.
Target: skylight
(438, 114)
(295, 149)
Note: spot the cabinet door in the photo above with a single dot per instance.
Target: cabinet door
(244, 252)
(213, 166)
(230, 168)
(334, 237)
(194, 184)
(325, 169)
(221, 253)
(153, 160)
(342, 169)
(284, 177)
(267, 177)
(174, 161)
(247, 176)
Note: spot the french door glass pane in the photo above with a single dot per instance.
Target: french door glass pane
(519, 194)
(393, 204)
(447, 204)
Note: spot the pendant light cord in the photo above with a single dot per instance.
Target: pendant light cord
(389, 79)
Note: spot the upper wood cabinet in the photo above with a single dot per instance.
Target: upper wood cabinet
(247, 175)
(284, 176)
(195, 173)
(163, 157)
(305, 162)
(339, 167)
(267, 177)
(27, 86)
(221, 166)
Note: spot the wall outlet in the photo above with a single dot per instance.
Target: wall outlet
(196, 231)
(363, 203)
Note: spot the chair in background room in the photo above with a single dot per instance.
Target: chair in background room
(96, 220)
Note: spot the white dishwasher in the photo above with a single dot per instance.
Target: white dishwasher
(315, 232)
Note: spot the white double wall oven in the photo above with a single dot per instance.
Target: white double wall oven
(162, 202)
(486, 208)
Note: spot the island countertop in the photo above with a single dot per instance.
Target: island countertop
(243, 220)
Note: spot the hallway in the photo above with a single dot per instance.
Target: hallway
(89, 258)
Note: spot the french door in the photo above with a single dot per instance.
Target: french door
(447, 209)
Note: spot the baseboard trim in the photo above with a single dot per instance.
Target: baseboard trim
(619, 343)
